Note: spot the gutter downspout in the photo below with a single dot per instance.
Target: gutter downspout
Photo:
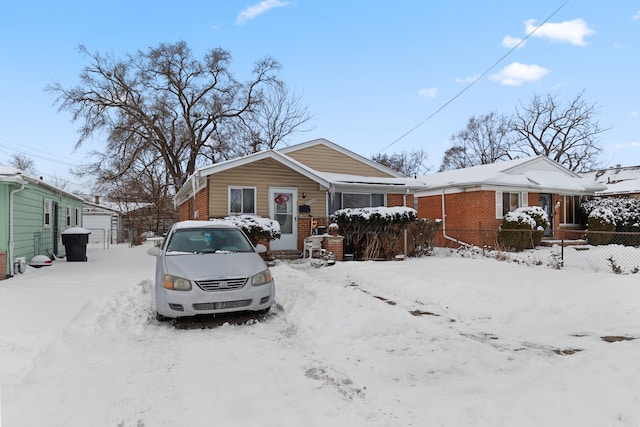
(193, 202)
(11, 242)
(444, 225)
(404, 197)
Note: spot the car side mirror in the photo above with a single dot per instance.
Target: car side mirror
(154, 251)
(261, 248)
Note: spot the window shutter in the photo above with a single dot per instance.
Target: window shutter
(524, 199)
(498, 204)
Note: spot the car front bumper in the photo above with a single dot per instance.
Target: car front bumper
(171, 303)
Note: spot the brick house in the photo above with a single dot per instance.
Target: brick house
(299, 186)
(477, 198)
(620, 181)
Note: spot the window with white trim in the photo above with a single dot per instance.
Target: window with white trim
(47, 212)
(362, 200)
(68, 215)
(571, 206)
(242, 200)
(77, 222)
(509, 201)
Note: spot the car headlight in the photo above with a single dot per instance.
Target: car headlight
(176, 283)
(261, 278)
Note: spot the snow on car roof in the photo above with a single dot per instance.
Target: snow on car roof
(197, 223)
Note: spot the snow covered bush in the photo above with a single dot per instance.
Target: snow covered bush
(541, 218)
(516, 231)
(256, 228)
(601, 220)
(423, 232)
(626, 213)
(372, 233)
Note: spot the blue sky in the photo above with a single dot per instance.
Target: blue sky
(370, 71)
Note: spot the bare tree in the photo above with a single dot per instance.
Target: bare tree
(483, 141)
(22, 162)
(165, 103)
(408, 163)
(567, 133)
(271, 122)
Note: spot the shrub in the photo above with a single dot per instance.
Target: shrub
(626, 213)
(515, 231)
(423, 232)
(373, 232)
(601, 220)
(542, 222)
(256, 228)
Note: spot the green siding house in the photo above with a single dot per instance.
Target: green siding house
(32, 216)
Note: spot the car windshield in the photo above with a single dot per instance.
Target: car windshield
(208, 240)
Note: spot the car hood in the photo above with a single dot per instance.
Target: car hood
(216, 265)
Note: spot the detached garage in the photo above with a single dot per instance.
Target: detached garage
(105, 224)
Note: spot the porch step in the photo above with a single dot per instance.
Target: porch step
(285, 255)
(566, 242)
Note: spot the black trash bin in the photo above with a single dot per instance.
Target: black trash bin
(75, 241)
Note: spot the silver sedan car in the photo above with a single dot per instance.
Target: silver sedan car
(210, 267)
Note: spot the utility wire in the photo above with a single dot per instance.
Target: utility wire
(33, 153)
(474, 81)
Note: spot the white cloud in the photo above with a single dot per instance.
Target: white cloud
(428, 93)
(636, 17)
(572, 32)
(512, 42)
(252, 12)
(633, 144)
(467, 80)
(515, 74)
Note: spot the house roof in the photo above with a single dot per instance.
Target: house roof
(340, 149)
(530, 173)
(618, 180)
(326, 179)
(17, 176)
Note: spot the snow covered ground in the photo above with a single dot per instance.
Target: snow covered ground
(425, 342)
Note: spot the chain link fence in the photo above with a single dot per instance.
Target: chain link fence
(597, 251)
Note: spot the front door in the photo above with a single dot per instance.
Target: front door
(282, 208)
(546, 203)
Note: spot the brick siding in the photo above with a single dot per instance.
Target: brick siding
(468, 213)
(3, 264)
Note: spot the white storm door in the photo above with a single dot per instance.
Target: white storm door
(282, 208)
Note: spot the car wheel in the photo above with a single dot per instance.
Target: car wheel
(161, 318)
(265, 311)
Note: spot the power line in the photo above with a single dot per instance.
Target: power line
(474, 81)
(34, 153)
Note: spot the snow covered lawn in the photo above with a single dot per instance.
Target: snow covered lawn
(424, 342)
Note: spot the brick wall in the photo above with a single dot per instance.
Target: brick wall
(184, 211)
(394, 200)
(466, 214)
(202, 204)
(3, 265)
(304, 230)
(334, 245)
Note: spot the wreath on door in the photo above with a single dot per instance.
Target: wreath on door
(281, 199)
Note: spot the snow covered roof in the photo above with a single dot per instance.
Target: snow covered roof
(372, 181)
(325, 179)
(538, 173)
(14, 175)
(617, 180)
(17, 176)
